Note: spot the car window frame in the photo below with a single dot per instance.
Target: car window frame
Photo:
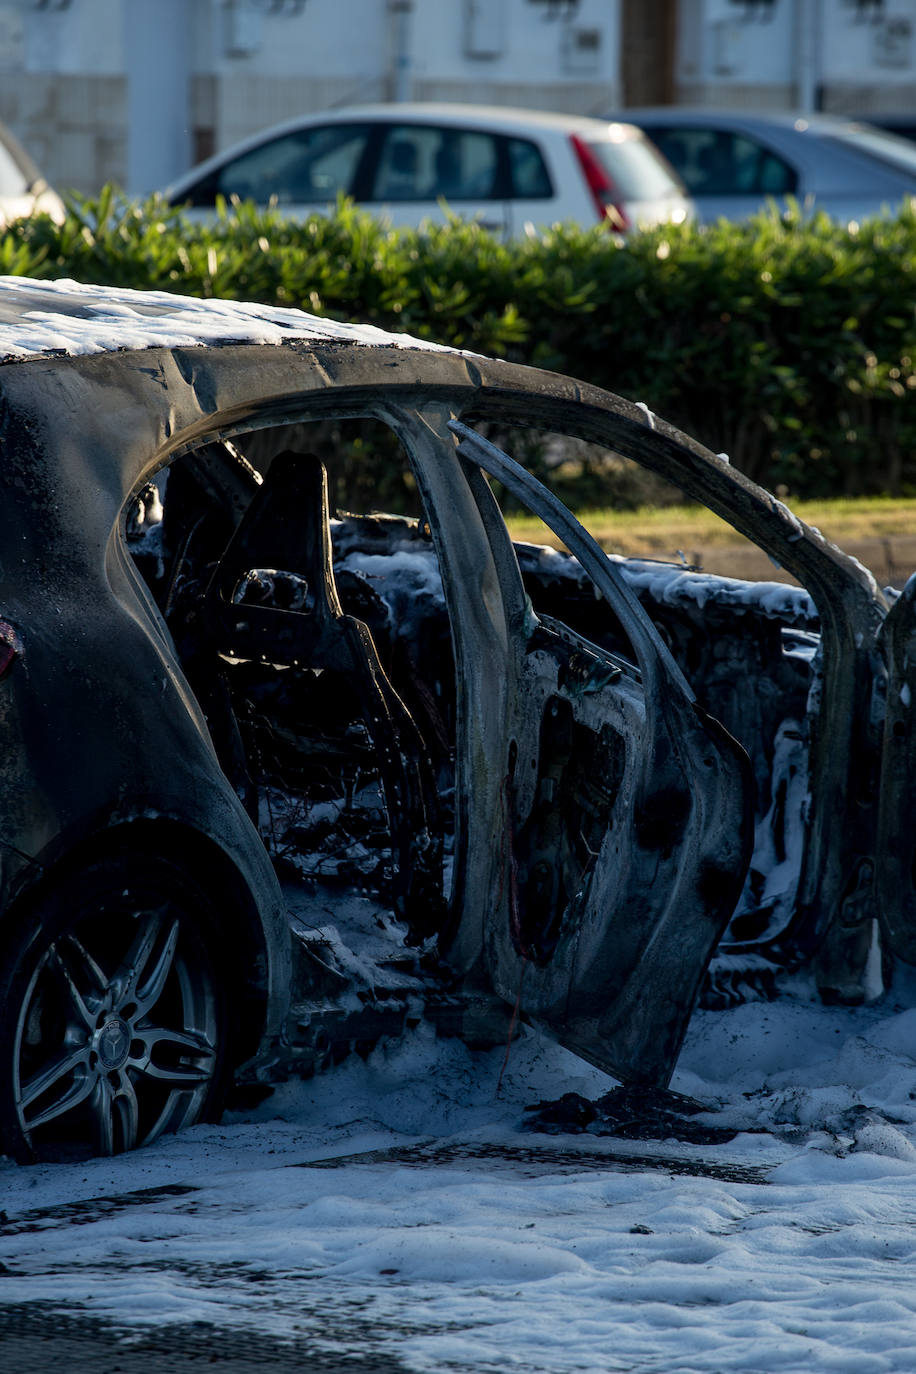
(202, 193)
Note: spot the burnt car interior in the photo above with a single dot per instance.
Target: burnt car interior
(334, 739)
(319, 642)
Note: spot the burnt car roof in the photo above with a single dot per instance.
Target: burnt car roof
(65, 317)
(64, 320)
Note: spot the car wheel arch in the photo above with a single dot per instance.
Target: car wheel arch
(196, 857)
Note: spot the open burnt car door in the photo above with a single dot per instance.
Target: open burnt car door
(623, 821)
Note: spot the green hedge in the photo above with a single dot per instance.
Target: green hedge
(787, 343)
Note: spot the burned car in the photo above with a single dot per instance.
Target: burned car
(282, 773)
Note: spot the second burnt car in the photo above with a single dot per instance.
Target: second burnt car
(281, 772)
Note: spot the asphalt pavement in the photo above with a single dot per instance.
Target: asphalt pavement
(34, 1340)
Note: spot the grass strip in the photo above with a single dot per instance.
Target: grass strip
(662, 531)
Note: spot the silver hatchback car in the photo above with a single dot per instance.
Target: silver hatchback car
(513, 170)
(734, 162)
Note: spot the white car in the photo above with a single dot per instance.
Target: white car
(733, 162)
(513, 170)
(23, 190)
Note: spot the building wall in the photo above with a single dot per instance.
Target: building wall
(844, 55)
(62, 89)
(133, 91)
(338, 52)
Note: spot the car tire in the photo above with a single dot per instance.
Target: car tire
(113, 1013)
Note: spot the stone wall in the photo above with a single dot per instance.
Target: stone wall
(75, 127)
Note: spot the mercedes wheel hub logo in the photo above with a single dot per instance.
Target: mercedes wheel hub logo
(113, 1043)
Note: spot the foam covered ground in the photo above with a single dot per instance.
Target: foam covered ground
(487, 1247)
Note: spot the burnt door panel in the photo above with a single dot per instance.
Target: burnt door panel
(627, 818)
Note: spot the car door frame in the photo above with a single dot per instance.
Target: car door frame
(659, 889)
(846, 705)
(221, 391)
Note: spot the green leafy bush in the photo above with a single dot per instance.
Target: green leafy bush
(788, 343)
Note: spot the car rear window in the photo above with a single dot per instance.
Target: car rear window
(636, 167)
(895, 152)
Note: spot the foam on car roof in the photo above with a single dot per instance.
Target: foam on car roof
(65, 317)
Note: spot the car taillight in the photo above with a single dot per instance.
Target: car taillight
(599, 182)
(9, 647)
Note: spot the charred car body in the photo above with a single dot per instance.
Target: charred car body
(277, 779)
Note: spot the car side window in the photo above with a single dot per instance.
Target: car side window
(308, 166)
(530, 179)
(714, 162)
(424, 162)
